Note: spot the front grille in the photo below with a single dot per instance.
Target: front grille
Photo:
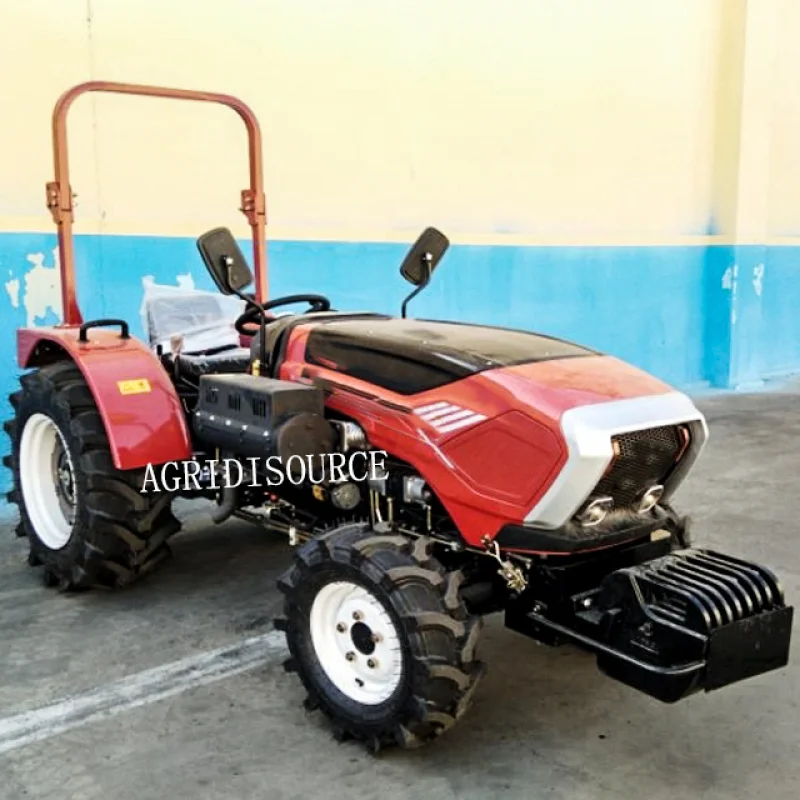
(643, 459)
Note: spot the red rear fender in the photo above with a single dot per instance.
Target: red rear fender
(140, 408)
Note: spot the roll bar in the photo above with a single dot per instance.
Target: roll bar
(60, 195)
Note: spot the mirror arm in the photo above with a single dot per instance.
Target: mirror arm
(426, 266)
(250, 301)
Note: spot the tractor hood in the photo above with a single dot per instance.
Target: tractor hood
(417, 358)
(529, 420)
(412, 356)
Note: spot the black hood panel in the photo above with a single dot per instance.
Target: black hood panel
(409, 356)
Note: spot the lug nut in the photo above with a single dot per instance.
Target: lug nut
(371, 663)
(376, 637)
(351, 656)
(341, 627)
(357, 616)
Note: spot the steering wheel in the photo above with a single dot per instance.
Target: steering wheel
(252, 314)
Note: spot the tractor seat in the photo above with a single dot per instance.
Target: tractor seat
(194, 365)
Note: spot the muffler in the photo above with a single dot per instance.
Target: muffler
(691, 620)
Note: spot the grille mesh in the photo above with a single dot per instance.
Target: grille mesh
(645, 458)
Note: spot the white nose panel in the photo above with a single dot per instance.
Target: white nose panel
(588, 431)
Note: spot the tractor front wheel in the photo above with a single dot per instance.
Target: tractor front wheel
(88, 523)
(379, 636)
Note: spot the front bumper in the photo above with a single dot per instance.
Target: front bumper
(671, 625)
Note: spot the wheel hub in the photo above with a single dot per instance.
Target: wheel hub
(356, 642)
(362, 637)
(66, 480)
(63, 479)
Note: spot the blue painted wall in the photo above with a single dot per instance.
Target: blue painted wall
(683, 313)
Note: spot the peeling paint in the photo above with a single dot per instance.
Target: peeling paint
(733, 288)
(42, 288)
(184, 281)
(38, 291)
(758, 279)
(727, 279)
(13, 287)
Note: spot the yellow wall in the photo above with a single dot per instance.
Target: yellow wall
(784, 217)
(567, 121)
(636, 123)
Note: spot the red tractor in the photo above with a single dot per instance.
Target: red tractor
(488, 470)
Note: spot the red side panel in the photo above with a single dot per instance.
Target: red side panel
(512, 456)
(141, 411)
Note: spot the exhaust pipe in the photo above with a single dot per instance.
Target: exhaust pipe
(688, 621)
(227, 505)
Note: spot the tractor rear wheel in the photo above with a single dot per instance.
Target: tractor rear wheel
(88, 523)
(379, 636)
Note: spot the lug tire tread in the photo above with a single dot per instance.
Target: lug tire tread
(121, 533)
(440, 636)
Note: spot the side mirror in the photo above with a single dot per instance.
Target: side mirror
(224, 261)
(422, 258)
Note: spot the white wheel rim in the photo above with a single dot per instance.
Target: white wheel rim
(356, 642)
(45, 466)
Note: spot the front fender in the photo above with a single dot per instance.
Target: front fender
(141, 411)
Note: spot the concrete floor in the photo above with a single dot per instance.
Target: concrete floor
(545, 723)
